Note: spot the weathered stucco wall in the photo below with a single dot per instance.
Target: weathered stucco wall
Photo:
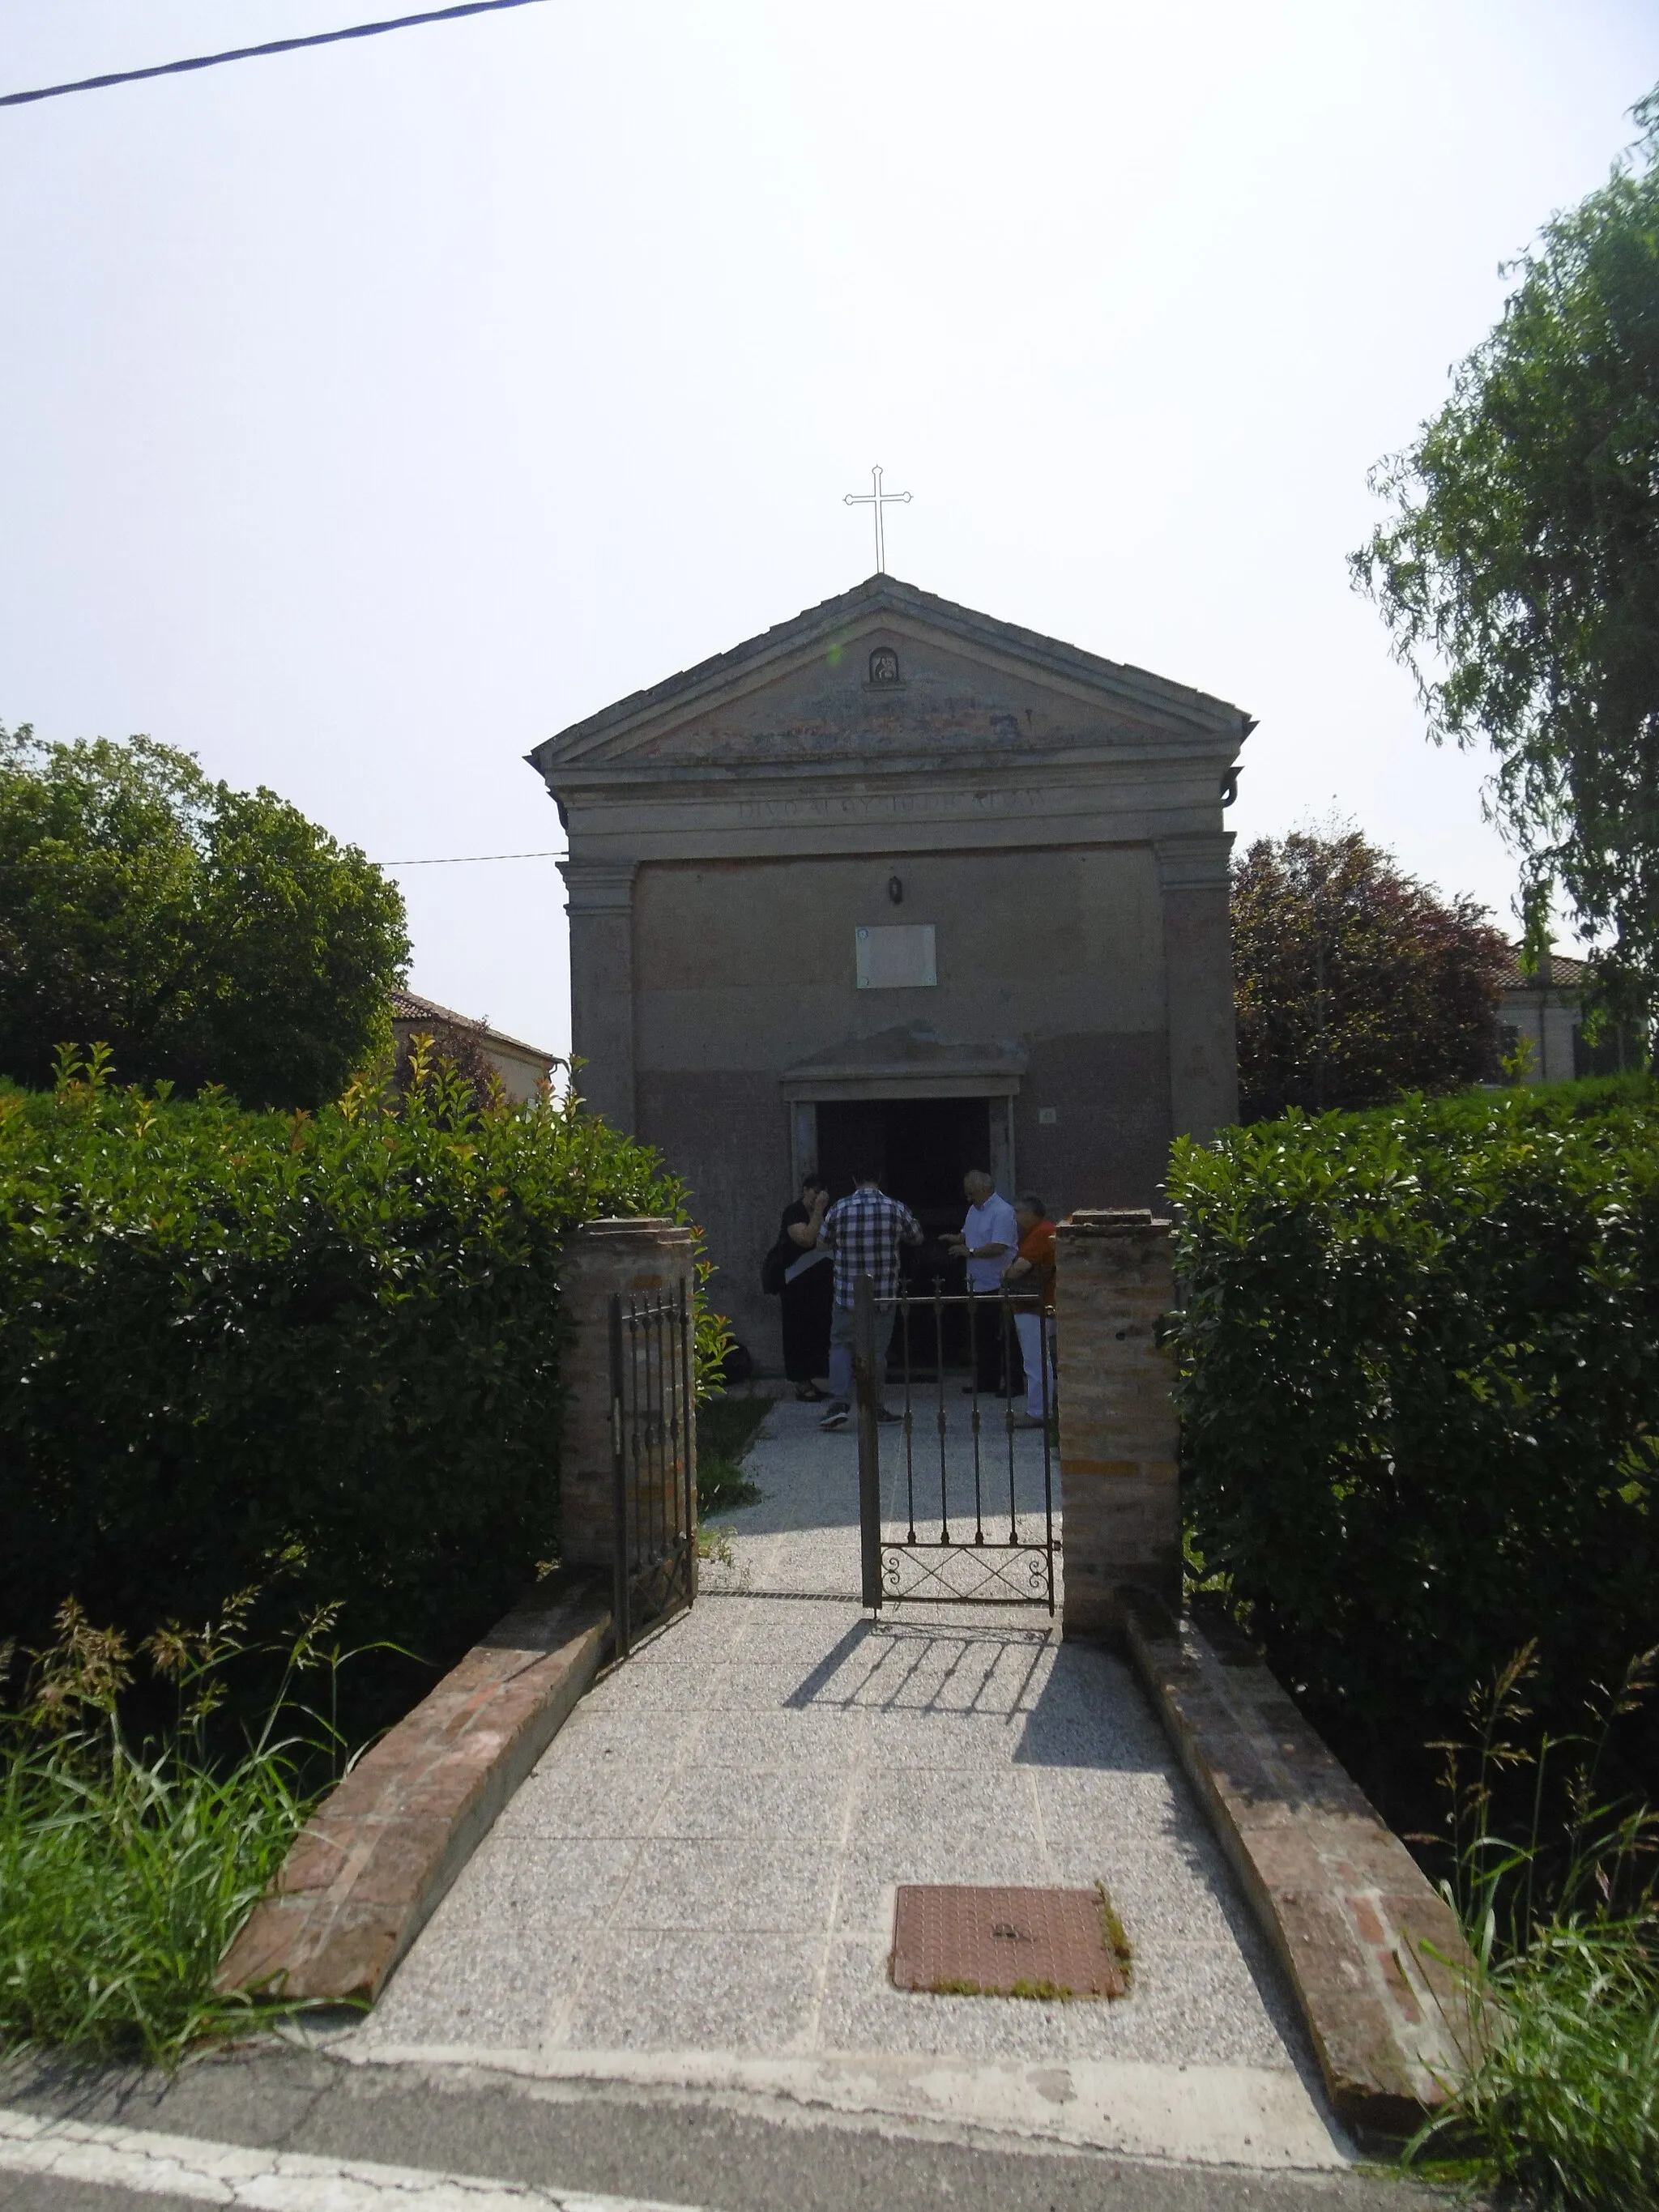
(741, 968)
(750, 962)
(1548, 1021)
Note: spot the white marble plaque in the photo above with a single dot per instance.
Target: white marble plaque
(896, 959)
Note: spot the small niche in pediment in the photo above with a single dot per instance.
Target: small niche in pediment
(884, 669)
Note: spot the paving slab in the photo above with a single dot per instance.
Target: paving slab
(699, 1877)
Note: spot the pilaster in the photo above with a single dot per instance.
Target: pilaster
(1119, 1438)
(1197, 966)
(635, 1257)
(600, 903)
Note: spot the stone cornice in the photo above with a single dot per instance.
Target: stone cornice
(843, 759)
(1193, 861)
(598, 885)
(763, 817)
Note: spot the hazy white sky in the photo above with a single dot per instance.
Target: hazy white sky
(371, 412)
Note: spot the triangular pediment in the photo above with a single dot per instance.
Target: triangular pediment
(887, 672)
(912, 1048)
(908, 1061)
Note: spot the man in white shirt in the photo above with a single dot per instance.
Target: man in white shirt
(989, 1240)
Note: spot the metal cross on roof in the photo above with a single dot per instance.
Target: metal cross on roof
(877, 498)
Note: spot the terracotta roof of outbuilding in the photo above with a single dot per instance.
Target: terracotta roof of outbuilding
(410, 1006)
(1557, 973)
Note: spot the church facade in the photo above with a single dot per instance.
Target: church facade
(898, 880)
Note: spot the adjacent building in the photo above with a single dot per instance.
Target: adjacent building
(523, 1069)
(1544, 1013)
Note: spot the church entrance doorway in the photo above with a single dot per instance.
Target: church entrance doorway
(921, 1148)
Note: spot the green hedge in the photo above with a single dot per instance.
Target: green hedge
(316, 1352)
(1418, 1379)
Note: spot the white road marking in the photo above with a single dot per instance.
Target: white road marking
(267, 2180)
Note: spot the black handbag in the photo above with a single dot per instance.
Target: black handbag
(774, 1268)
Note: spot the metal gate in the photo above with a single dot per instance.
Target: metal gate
(979, 1479)
(653, 1460)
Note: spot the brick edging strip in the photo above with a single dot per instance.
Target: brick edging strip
(369, 1868)
(1362, 1936)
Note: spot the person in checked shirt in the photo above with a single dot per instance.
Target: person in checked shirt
(864, 1233)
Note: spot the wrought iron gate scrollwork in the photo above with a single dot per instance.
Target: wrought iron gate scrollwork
(955, 1567)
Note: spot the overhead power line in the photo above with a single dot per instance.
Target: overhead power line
(458, 859)
(274, 46)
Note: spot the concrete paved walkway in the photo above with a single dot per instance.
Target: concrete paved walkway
(695, 1887)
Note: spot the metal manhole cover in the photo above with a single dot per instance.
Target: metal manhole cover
(954, 1940)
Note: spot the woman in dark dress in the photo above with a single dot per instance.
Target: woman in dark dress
(808, 1289)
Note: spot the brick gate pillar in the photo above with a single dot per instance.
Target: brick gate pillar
(1119, 1479)
(642, 1257)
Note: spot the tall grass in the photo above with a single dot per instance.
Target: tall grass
(125, 1869)
(1560, 2101)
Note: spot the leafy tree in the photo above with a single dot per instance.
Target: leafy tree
(1355, 982)
(1519, 572)
(206, 935)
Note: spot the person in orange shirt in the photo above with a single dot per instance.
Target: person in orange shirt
(1033, 1270)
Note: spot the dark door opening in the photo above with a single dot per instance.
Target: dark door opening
(921, 1148)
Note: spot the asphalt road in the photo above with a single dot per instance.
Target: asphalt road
(726, 2155)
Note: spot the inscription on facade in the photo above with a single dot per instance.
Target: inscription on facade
(889, 806)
